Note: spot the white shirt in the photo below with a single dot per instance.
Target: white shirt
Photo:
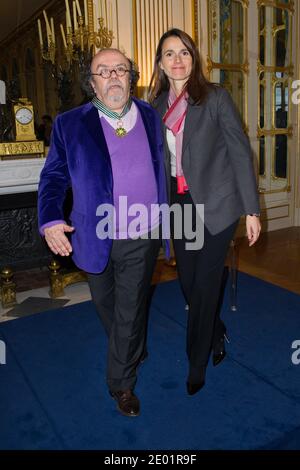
(128, 121)
(172, 148)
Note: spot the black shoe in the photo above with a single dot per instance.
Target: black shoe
(127, 402)
(219, 352)
(194, 388)
(196, 379)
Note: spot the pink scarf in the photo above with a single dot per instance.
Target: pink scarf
(174, 119)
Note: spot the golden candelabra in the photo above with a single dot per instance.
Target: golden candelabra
(78, 36)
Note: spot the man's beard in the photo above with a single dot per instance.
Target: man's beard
(115, 98)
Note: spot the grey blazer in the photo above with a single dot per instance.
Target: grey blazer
(217, 160)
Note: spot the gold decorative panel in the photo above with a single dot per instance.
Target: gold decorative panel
(152, 18)
(227, 60)
(275, 71)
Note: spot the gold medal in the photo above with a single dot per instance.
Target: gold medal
(120, 132)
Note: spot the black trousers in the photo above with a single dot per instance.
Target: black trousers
(200, 274)
(120, 295)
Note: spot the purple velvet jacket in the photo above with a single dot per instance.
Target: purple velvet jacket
(79, 158)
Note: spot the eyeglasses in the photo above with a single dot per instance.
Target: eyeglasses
(106, 73)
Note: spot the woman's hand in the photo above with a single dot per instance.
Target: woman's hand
(253, 228)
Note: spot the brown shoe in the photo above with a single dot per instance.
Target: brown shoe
(127, 402)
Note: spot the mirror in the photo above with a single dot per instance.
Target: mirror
(262, 25)
(281, 152)
(262, 49)
(281, 104)
(233, 81)
(262, 92)
(262, 18)
(279, 16)
(262, 156)
(227, 25)
(281, 26)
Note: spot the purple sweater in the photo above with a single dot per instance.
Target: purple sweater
(133, 176)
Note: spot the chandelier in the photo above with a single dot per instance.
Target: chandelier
(81, 34)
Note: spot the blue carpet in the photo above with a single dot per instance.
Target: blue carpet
(53, 393)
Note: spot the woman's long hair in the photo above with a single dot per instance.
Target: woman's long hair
(197, 85)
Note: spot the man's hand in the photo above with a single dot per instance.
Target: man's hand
(253, 228)
(57, 240)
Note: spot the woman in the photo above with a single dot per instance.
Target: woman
(208, 161)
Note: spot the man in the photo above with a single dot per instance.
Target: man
(104, 150)
(45, 129)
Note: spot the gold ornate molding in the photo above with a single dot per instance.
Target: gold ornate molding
(273, 3)
(12, 149)
(233, 67)
(274, 131)
(270, 68)
(212, 19)
(270, 77)
(284, 189)
(195, 20)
